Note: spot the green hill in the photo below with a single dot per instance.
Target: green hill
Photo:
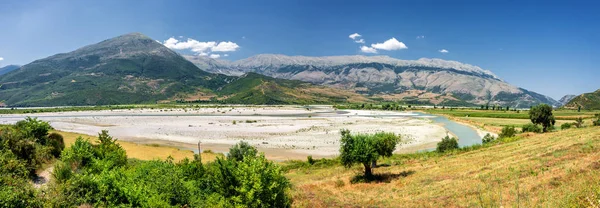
(253, 88)
(587, 101)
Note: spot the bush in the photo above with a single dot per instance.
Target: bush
(310, 160)
(507, 131)
(578, 122)
(531, 128)
(488, 138)
(447, 144)
(57, 143)
(565, 126)
(597, 122)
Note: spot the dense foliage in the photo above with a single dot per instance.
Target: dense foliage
(542, 115)
(366, 148)
(24, 147)
(448, 143)
(100, 175)
(566, 126)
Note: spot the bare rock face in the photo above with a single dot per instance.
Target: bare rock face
(383, 75)
(565, 99)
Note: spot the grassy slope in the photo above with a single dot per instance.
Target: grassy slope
(589, 101)
(553, 170)
(143, 152)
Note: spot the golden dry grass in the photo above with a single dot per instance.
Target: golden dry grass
(141, 151)
(558, 169)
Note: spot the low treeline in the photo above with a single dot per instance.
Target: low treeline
(99, 174)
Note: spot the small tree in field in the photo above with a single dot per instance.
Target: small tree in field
(542, 114)
(366, 148)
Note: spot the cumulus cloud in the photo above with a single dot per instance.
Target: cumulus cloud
(354, 36)
(420, 37)
(367, 49)
(201, 48)
(215, 56)
(1, 58)
(444, 51)
(360, 41)
(389, 45)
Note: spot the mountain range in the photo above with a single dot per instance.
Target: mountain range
(430, 81)
(134, 68)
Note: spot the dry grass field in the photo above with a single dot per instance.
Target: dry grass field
(143, 152)
(558, 169)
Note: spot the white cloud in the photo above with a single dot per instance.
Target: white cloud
(444, 51)
(1, 58)
(214, 56)
(225, 55)
(354, 36)
(243, 37)
(389, 45)
(367, 49)
(360, 41)
(420, 37)
(226, 46)
(201, 48)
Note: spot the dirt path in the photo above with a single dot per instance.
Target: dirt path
(43, 178)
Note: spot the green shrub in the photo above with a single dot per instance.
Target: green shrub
(240, 151)
(57, 143)
(310, 160)
(531, 128)
(578, 122)
(447, 144)
(597, 122)
(488, 138)
(507, 131)
(565, 126)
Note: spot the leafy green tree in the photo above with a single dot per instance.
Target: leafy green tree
(366, 148)
(447, 144)
(542, 115)
(241, 150)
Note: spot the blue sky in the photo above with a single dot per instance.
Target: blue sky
(545, 47)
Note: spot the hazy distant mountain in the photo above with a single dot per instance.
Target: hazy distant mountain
(422, 81)
(8, 68)
(133, 68)
(565, 99)
(587, 101)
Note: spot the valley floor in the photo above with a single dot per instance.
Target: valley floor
(282, 132)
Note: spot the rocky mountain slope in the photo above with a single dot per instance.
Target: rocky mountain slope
(587, 101)
(565, 99)
(432, 81)
(133, 68)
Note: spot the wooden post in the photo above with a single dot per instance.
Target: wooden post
(199, 149)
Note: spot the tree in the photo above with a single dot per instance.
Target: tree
(578, 108)
(447, 144)
(542, 115)
(366, 148)
(240, 151)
